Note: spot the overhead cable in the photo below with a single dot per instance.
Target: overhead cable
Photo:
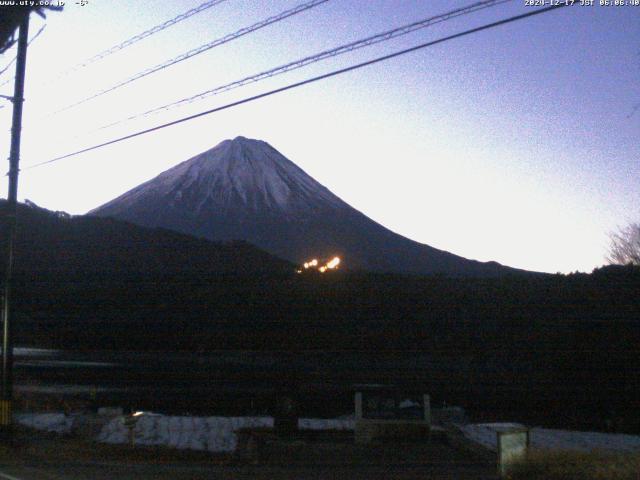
(365, 42)
(14, 58)
(147, 33)
(203, 48)
(305, 82)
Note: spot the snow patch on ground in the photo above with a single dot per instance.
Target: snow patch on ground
(49, 422)
(326, 424)
(218, 434)
(215, 434)
(543, 438)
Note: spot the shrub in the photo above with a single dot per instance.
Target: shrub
(548, 465)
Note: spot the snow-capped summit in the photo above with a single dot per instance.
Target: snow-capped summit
(244, 189)
(236, 174)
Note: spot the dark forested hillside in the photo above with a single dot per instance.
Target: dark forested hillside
(76, 246)
(554, 343)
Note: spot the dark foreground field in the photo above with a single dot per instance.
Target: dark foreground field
(553, 350)
(39, 456)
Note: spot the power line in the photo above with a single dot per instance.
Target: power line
(14, 58)
(305, 82)
(147, 33)
(7, 66)
(203, 48)
(371, 40)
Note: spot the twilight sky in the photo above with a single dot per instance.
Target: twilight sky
(515, 144)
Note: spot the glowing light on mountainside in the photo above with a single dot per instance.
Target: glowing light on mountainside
(312, 264)
(333, 263)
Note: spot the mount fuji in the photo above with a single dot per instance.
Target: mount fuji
(244, 189)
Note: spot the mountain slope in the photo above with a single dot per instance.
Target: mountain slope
(55, 243)
(245, 189)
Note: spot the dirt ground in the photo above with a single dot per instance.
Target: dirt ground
(35, 456)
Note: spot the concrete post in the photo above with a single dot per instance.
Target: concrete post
(358, 400)
(426, 402)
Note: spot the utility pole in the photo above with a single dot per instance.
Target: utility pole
(6, 393)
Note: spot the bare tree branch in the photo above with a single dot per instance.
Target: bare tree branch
(625, 245)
